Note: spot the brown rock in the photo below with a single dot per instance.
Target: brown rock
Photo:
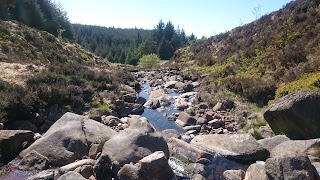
(177, 146)
(94, 150)
(86, 171)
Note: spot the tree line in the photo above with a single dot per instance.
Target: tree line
(41, 14)
(115, 45)
(129, 45)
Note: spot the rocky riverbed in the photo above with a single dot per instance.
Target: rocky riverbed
(163, 131)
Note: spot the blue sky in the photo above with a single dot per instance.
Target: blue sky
(201, 17)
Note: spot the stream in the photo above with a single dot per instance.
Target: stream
(156, 118)
(212, 171)
(217, 165)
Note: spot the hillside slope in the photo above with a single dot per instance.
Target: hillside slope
(19, 43)
(266, 58)
(42, 76)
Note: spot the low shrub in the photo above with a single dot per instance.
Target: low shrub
(149, 61)
(256, 90)
(307, 82)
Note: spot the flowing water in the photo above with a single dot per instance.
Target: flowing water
(156, 118)
(213, 170)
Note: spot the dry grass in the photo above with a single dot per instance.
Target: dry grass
(16, 73)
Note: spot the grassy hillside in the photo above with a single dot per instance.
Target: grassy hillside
(39, 71)
(280, 49)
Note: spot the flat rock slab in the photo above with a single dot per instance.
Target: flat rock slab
(270, 143)
(242, 148)
(294, 147)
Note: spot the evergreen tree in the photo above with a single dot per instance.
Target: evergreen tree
(158, 32)
(169, 31)
(148, 46)
(165, 49)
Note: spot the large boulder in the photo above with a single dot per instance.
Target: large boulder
(69, 139)
(154, 166)
(290, 167)
(129, 146)
(11, 143)
(71, 175)
(140, 123)
(270, 143)
(297, 115)
(256, 171)
(242, 148)
(295, 147)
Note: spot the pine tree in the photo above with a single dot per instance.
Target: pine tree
(169, 31)
(165, 50)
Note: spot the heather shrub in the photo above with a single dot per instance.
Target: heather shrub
(256, 90)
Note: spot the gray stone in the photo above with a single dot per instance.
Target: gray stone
(184, 149)
(71, 175)
(140, 123)
(155, 166)
(241, 148)
(170, 133)
(294, 147)
(256, 171)
(110, 120)
(234, 175)
(202, 121)
(297, 115)
(170, 84)
(219, 107)
(76, 165)
(137, 109)
(130, 98)
(216, 123)
(203, 106)
(69, 139)
(43, 175)
(270, 143)
(11, 143)
(34, 161)
(316, 166)
(198, 177)
(194, 127)
(141, 100)
(196, 168)
(187, 88)
(186, 119)
(126, 147)
(286, 167)
(129, 172)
